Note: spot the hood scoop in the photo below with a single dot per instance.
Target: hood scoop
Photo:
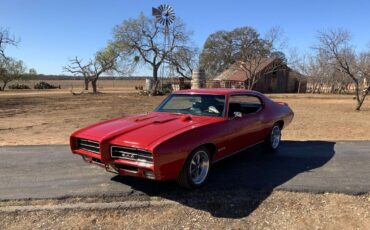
(160, 121)
(143, 118)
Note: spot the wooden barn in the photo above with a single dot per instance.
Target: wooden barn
(275, 78)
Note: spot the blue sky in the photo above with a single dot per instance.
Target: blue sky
(52, 31)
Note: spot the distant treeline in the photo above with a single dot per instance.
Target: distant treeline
(67, 77)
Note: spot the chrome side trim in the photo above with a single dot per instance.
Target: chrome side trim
(238, 151)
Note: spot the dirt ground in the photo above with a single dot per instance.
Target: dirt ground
(280, 210)
(48, 117)
(34, 117)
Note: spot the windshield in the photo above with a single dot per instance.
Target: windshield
(195, 104)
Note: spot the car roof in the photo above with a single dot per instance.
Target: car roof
(220, 91)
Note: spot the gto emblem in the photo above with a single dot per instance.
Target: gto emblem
(128, 155)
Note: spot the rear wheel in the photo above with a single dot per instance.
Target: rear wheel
(272, 141)
(196, 169)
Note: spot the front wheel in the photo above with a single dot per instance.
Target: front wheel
(196, 169)
(273, 140)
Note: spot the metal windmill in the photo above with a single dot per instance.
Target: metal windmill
(164, 15)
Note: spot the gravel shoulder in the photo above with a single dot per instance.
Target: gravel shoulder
(281, 210)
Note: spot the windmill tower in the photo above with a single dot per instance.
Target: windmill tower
(165, 15)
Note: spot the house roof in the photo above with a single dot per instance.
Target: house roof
(234, 73)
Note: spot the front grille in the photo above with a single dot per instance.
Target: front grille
(88, 145)
(131, 154)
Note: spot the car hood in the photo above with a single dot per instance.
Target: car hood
(141, 131)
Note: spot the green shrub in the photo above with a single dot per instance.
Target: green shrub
(18, 86)
(45, 85)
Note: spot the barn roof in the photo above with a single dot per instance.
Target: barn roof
(233, 73)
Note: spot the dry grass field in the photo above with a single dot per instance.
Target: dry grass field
(48, 117)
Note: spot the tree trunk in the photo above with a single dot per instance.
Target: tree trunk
(155, 81)
(4, 85)
(253, 84)
(332, 88)
(94, 86)
(362, 99)
(357, 89)
(314, 86)
(86, 83)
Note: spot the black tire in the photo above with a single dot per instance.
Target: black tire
(270, 143)
(185, 178)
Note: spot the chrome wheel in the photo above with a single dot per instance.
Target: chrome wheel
(199, 167)
(275, 136)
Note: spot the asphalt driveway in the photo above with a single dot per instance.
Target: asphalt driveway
(313, 166)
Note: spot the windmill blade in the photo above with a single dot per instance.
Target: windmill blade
(171, 18)
(162, 7)
(169, 9)
(162, 21)
(156, 12)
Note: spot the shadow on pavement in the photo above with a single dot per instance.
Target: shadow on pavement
(239, 184)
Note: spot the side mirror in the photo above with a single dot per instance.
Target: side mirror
(238, 114)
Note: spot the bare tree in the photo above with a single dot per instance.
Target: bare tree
(184, 61)
(316, 70)
(6, 39)
(77, 68)
(336, 47)
(303, 64)
(104, 61)
(321, 76)
(143, 40)
(363, 67)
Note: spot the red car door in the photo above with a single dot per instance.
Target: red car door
(244, 123)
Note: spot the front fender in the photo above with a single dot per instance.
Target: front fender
(171, 154)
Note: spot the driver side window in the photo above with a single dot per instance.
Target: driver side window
(243, 104)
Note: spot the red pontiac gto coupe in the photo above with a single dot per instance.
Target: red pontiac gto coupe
(184, 135)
